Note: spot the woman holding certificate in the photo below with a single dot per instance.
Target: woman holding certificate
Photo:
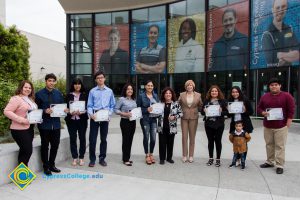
(190, 101)
(123, 108)
(149, 120)
(76, 120)
(240, 109)
(21, 129)
(214, 109)
(167, 125)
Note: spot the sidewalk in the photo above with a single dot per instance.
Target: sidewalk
(173, 181)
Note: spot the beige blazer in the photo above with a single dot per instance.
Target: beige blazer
(190, 112)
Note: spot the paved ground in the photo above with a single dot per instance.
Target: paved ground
(173, 181)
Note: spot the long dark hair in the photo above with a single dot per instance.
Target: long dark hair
(241, 94)
(192, 26)
(220, 93)
(20, 88)
(162, 98)
(77, 81)
(123, 93)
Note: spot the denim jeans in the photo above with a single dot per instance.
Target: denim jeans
(240, 155)
(149, 128)
(94, 126)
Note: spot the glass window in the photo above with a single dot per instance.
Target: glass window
(157, 13)
(81, 46)
(103, 19)
(195, 6)
(81, 58)
(216, 3)
(81, 69)
(81, 20)
(234, 1)
(81, 34)
(178, 9)
(139, 16)
(120, 18)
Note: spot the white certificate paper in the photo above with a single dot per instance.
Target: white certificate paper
(77, 106)
(235, 107)
(136, 113)
(58, 110)
(35, 116)
(212, 111)
(157, 108)
(102, 115)
(275, 114)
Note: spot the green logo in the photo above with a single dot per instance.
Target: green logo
(22, 176)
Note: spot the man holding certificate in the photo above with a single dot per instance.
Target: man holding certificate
(100, 106)
(50, 127)
(277, 108)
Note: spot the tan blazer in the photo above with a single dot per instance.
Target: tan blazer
(190, 112)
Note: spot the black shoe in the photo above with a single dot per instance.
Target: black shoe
(266, 165)
(279, 170)
(210, 162)
(103, 163)
(162, 162)
(218, 163)
(91, 164)
(232, 165)
(54, 169)
(128, 163)
(170, 161)
(47, 172)
(242, 166)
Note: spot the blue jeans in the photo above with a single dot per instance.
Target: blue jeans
(242, 156)
(149, 127)
(94, 126)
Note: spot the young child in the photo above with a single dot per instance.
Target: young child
(239, 139)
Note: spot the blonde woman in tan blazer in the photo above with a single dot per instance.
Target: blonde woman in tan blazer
(190, 101)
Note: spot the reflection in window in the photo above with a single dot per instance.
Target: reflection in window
(157, 13)
(103, 19)
(216, 3)
(81, 20)
(120, 18)
(80, 34)
(81, 69)
(81, 58)
(178, 9)
(139, 16)
(195, 7)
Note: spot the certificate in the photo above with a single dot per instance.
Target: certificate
(235, 107)
(35, 116)
(157, 108)
(58, 110)
(77, 106)
(102, 115)
(275, 114)
(136, 113)
(212, 111)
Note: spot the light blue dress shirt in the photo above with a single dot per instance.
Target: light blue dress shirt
(101, 99)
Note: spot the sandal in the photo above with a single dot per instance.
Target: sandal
(152, 159)
(148, 160)
(184, 159)
(218, 163)
(210, 162)
(81, 162)
(74, 163)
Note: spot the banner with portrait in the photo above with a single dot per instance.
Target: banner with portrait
(186, 42)
(111, 49)
(275, 31)
(227, 37)
(148, 47)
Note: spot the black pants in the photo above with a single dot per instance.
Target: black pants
(52, 137)
(24, 140)
(166, 143)
(214, 136)
(79, 126)
(128, 130)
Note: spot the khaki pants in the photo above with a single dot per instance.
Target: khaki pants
(275, 145)
(188, 128)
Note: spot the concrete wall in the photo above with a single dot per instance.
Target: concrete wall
(2, 12)
(46, 56)
(9, 156)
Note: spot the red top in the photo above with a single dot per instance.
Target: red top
(282, 100)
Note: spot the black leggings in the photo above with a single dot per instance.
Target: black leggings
(214, 136)
(24, 140)
(128, 130)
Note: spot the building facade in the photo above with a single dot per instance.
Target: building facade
(223, 42)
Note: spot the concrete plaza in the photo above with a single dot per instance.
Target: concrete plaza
(171, 181)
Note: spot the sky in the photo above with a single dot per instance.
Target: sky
(42, 17)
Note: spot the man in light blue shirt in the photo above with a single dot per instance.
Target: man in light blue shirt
(100, 98)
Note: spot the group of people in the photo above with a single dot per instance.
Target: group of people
(186, 107)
